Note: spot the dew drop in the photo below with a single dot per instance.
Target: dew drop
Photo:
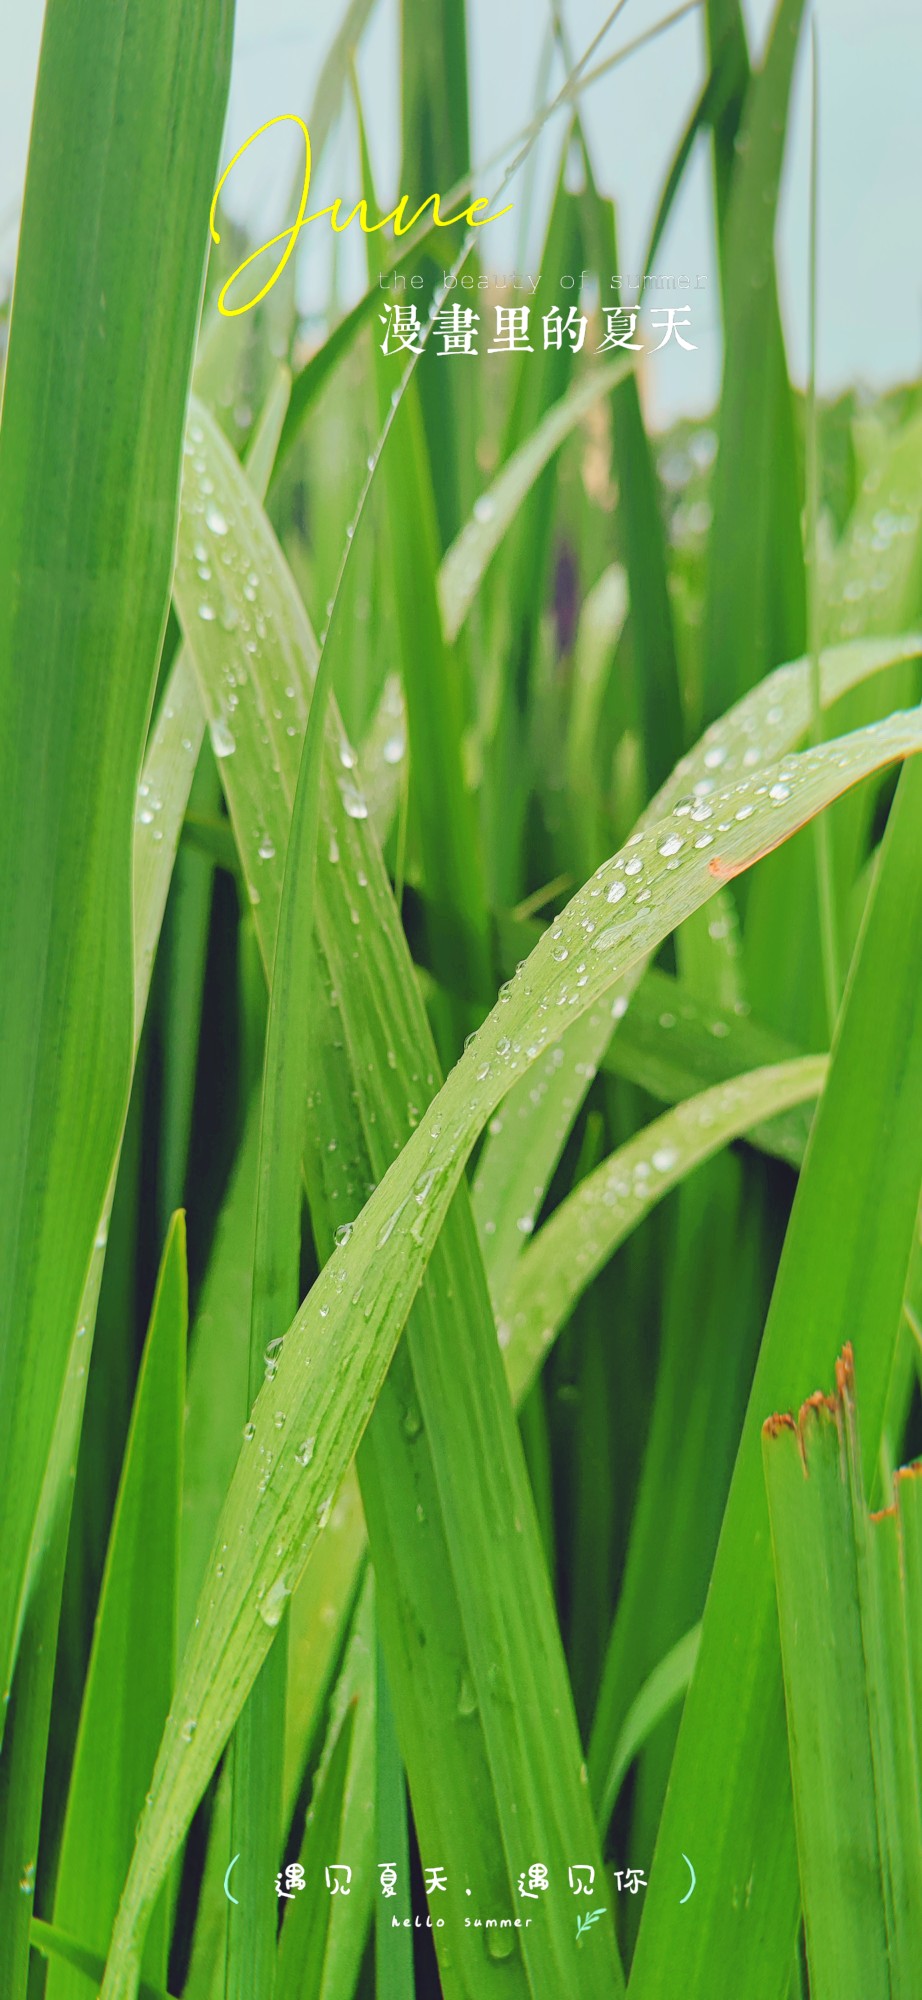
(223, 742)
(353, 801)
(467, 1699)
(412, 1421)
(500, 1943)
(273, 1604)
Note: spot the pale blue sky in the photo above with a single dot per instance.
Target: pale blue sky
(870, 293)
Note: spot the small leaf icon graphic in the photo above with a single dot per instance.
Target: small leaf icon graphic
(585, 1923)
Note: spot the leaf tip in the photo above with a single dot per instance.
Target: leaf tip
(773, 1426)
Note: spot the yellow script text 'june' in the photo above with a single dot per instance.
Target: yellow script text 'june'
(288, 236)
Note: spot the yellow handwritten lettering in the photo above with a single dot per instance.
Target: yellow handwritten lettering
(360, 210)
(289, 236)
(471, 218)
(402, 228)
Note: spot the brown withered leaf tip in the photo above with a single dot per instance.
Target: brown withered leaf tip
(815, 1406)
(845, 1383)
(783, 1420)
(902, 1475)
(845, 1371)
(815, 1403)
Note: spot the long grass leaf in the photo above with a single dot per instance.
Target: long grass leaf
(774, 716)
(729, 55)
(587, 1227)
(526, 1138)
(663, 1687)
(86, 524)
(704, 113)
(58, 1946)
(449, 852)
(134, 1643)
(304, 1935)
(258, 1751)
(819, 1608)
(858, 1194)
(601, 621)
(168, 773)
(515, 626)
(887, 1615)
(822, 835)
(393, 1955)
(77, 881)
(852, 1730)
(162, 796)
(344, 1919)
(673, 1044)
(687, 1462)
(218, 1370)
(438, 1550)
(755, 606)
(655, 659)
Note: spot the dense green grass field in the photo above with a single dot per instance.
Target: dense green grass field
(461, 1069)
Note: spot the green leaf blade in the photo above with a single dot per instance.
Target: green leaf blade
(134, 1645)
(857, 1198)
(112, 238)
(816, 1571)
